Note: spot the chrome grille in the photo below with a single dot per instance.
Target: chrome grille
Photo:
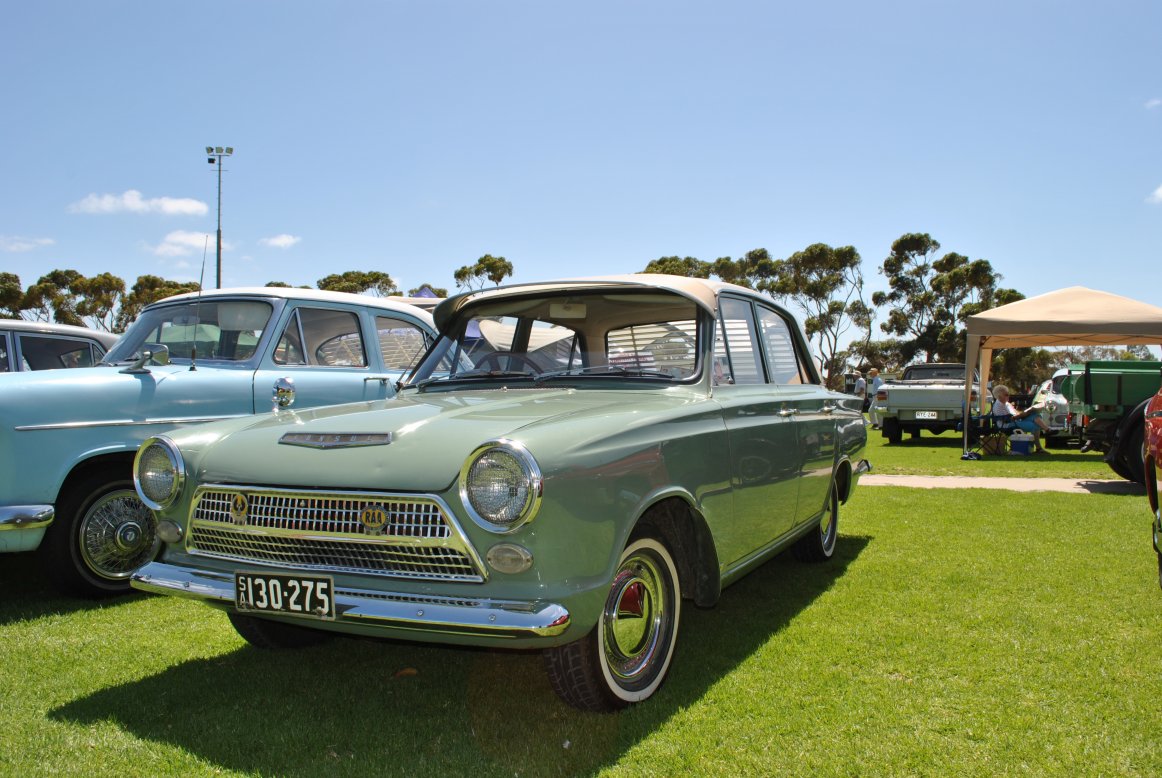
(322, 530)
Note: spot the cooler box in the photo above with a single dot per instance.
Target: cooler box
(1021, 443)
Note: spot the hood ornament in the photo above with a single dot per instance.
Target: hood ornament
(335, 439)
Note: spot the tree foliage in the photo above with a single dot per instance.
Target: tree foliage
(928, 300)
(372, 282)
(752, 270)
(11, 296)
(487, 268)
(826, 284)
(689, 267)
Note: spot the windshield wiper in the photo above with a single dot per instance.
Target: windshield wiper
(604, 371)
(470, 375)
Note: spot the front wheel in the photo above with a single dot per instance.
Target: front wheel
(101, 534)
(625, 658)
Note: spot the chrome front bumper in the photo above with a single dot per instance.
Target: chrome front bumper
(463, 616)
(25, 516)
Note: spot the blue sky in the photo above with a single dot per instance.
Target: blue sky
(580, 138)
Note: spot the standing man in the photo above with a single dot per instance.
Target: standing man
(860, 390)
(876, 382)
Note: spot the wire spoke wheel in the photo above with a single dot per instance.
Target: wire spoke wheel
(116, 535)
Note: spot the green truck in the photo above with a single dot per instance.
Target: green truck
(1106, 402)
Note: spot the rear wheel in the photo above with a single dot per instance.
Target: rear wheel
(276, 635)
(101, 534)
(627, 655)
(819, 544)
(892, 431)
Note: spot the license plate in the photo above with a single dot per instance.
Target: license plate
(926, 414)
(298, 595)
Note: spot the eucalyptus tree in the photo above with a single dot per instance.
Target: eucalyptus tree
(689, 267)
(826, 284)
(487, 268)
(11, 296)
(372, 282)
(930, 299)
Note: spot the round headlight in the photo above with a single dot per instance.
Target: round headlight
(501, 485)
(158, 472)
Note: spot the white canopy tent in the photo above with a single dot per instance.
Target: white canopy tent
(1068, 317)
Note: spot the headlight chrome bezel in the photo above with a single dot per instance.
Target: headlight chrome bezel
(531, 471)
(176, 462)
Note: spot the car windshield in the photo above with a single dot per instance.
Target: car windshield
(576, 338)
(222, 330)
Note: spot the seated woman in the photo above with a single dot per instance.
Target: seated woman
(1028, 420)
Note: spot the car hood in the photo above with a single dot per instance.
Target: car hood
(431, 435)
(106, 394)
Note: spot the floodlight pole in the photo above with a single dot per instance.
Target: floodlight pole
(215, 154)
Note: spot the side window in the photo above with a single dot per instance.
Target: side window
(289, 350)
(782, 361)
(400, 342)
(4, 363)
(321, 337)
(46, 353)
(737, 359)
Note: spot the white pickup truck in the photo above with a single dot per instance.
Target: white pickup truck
(927, 396)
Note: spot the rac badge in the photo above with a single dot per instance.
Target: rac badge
(373, 518)
(238, 509)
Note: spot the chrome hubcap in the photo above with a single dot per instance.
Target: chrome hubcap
(117, 535)
(635, 617)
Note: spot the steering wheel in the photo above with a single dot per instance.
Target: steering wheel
(514, 359)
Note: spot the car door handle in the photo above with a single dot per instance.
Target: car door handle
(789, 412)
(383, 379)
(828, 409)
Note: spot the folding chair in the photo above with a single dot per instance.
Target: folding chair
(987, 435)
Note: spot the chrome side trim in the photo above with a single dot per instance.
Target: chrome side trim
(25, 516)
(397, 610)
(74, 425)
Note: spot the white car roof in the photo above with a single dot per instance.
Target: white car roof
(292, 293)
(702, 291)
(51, 328)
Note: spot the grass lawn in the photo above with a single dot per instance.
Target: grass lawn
(940, 455)
(958, 632)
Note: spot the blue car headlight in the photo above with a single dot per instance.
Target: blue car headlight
(500, 484)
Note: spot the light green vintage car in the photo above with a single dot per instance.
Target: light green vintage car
(569, 462)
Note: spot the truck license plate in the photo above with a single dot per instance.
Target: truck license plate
(925, 414)
(298, 595)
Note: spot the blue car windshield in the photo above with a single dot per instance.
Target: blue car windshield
(640, 337)
(221, 330)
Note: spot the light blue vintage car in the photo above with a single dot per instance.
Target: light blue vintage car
(69, 436)
(568, 463)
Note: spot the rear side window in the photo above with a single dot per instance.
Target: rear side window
(737, 359)
(4, 363)
(782, 360)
